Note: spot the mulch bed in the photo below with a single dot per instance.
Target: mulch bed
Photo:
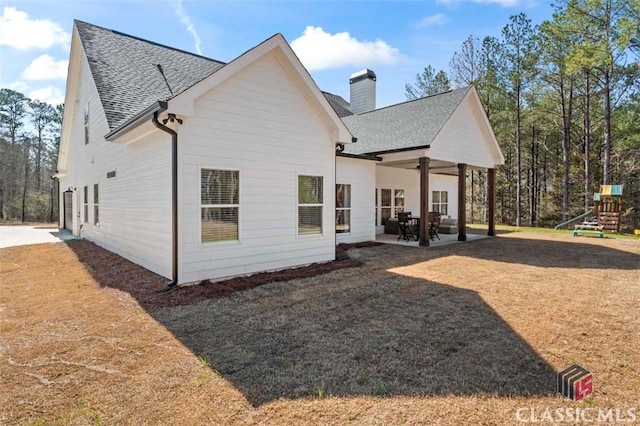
(151, 291)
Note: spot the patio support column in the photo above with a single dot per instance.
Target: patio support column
(462, 202)
(491, 199)
(424, 201)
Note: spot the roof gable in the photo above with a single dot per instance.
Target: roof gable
(408, 125)
(183, 103)
(131, 73)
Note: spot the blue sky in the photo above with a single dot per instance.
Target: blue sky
(396, 39)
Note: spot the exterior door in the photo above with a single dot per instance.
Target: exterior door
(68, 210)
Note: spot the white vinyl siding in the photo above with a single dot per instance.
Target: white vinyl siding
(219, 194)
(343, 208)
(309, 205)
(259, 123)
(134, 208)
(360, 174)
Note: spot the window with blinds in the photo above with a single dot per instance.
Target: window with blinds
(220, 204)
(86, 204)
(343, 208)
(309, 205)
(96, 205)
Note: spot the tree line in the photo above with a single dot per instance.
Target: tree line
(29, 140)
(563, 98)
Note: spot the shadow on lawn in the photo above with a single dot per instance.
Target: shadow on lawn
(359, 331)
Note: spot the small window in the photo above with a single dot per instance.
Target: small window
(86, 203)
(398, 201)
(385, 205)
(440, 202)
(96, 204)
(376, 208)
(343, 208)
(309, 205)
(111, 174)
(220, 204)
(86, 124)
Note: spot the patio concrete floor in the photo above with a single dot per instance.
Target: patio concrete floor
(11, 236)
(445, 239)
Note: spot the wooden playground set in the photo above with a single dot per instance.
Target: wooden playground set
(607, 209)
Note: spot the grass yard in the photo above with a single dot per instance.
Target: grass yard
(460, 334)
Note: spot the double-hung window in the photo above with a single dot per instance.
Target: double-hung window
(96, 205)
(309, 205)
(440, 202)
(85, 194)
(220, 205)
(343, 208)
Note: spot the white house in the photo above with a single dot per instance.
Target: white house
(196, 169)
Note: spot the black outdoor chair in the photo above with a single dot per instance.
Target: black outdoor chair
(405, 226)
(434, 223)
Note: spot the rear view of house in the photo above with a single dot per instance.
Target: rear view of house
(197, 169)
(255, 157)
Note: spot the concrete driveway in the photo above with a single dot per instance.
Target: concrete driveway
(11, 236)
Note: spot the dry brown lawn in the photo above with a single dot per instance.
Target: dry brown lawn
(462, 334)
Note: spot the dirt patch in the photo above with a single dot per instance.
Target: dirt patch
(150, 290)
(461, 334)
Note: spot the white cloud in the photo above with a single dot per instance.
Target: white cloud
(20, 32)
(429, 21)
(50, 94)
(319, 50)
(188, 24)
(45, 67)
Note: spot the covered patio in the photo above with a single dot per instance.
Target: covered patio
(425, 148)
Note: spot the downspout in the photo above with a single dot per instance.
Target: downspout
(174, 196)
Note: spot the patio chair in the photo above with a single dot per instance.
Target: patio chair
(405, 226)
(434, 223)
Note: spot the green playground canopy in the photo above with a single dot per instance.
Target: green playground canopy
(608, 191)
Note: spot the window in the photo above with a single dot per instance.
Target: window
(309, 205)
(385, 205)
(86, 204)
(111, 174)
(391, 203)
(439, 202)
(343, 208)
(86, 124)
(398, 201)
(96, 216)
(376, 208)
(220, 204)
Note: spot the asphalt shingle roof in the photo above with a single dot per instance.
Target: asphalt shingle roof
(339, 104)
(126, 74)
(408, 125)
